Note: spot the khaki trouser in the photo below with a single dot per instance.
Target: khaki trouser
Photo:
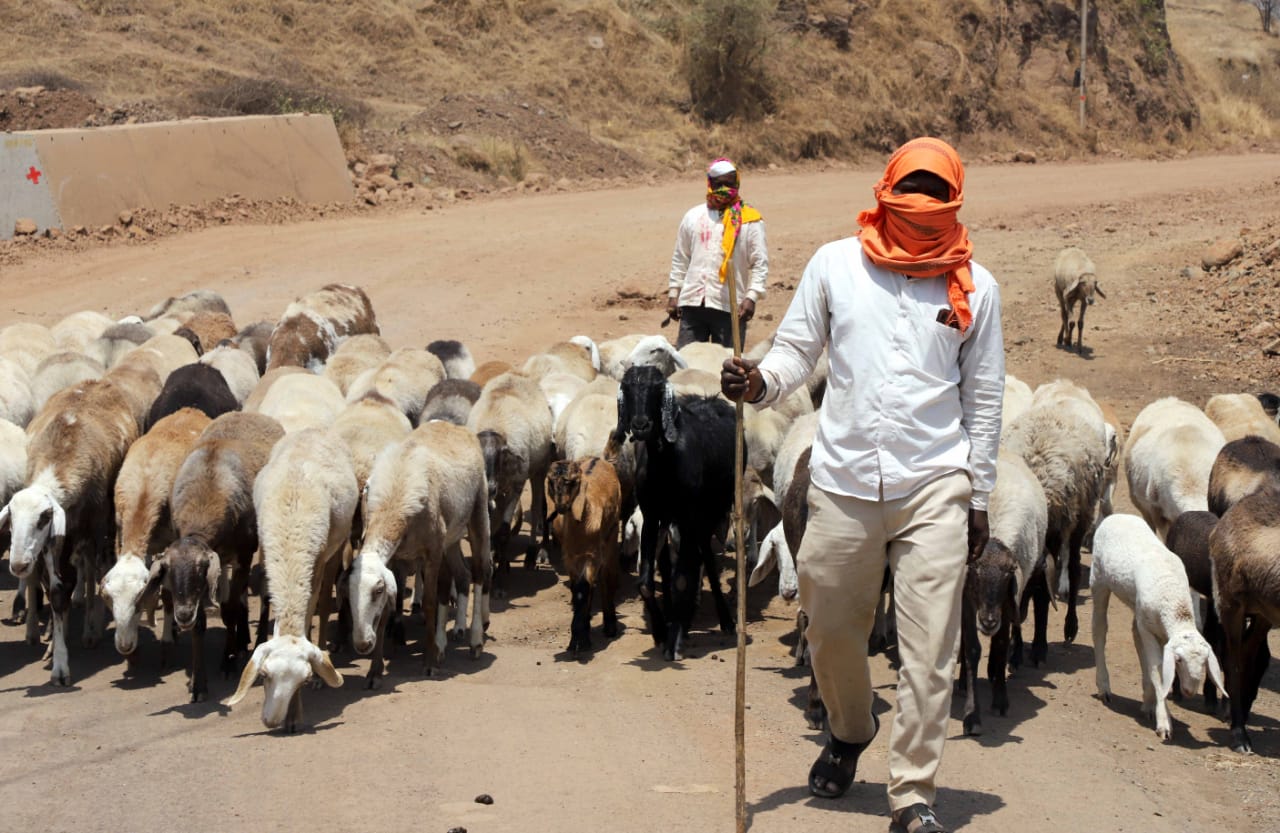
(923, 537)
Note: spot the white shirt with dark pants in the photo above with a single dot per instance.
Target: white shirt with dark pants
(906, 443)
(695, 269)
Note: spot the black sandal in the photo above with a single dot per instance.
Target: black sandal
(927, 821)
(837, 765)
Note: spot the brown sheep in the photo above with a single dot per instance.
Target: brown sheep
(489, 370)
(1242, 467)
(313, 326)
(211, 328)
(587, 499)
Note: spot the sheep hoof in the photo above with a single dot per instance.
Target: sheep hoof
(972, 725)
(476, 651)
(61, 678)
(373, 681)
(198, 696)
(1240, 742)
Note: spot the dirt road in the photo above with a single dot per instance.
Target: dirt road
(625, 742)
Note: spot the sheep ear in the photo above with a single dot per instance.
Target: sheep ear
(251, 672)
(767, 560)
(580, 507)
(681, 362)
(213, 574)
(155, 577)
(624, 419)
(4, 517)
(1215, 673)
(669, 414)
(1098, 290)
(324, 669)
(1168, 671)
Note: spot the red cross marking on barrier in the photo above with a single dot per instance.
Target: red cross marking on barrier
(34, 175)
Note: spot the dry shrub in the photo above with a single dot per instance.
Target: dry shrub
(726, 50)
(262, 97)
(47, 78)
(492, 155)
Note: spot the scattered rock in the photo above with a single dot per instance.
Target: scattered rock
(24, 226)
(1272, 349)
(1192, 272)
(1026, 156)
(1271, 253)
(1264, 329)
(1222, 252)
(457, 830)
(126, 217)
(484, 798)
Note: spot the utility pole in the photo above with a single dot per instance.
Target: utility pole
(1084, 43)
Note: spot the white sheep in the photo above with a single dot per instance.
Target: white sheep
(455, 357)
(561, 357)
(116, 341)
(1130, 562)
(424, 495)
(1167, 461)
(27, 343)
(405, 378)
(198, 300)
(142, 519)
(78, 330)
(1241, 414)
(586, 343)
(560, 389)
(658, 352)
(17, 402)
(59, 371)
(303, 400)
(265, 382)
(705, 355)
(1017, 399)
(614, 351)
(13, 474)
(1075, 281)
(304, 498)
(694, 381)
(367, 427)
(353, 357)
(236, 366)
(175, 351)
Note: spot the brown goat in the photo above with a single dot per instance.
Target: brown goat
(313, 326)
(1244, 466)
(587, 499)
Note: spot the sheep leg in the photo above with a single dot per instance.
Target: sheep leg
(712, 567)
(168, 640)
(432, 649)
(1072, 624)
(324, 601)
(1257, 648)
(418, 581)
(815, 711)
(1040, 635)
(294, 716)
(580, 628)
(1080, 327)
(199, 684)
(1213, 635)
(970, 656)
(688, 575)
(609, 596)
(1151, 671)
(62, 582)
(1062, 331)
(1101, 600)
(32, 619)
(18, 613)
(649, 536)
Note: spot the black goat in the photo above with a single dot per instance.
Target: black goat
(685, 480)
(196, 386)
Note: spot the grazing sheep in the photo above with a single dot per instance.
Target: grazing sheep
(138, 379)
(1241, 414)
(304, 499)
(513, 423)
(424, 495)
(265, 382)
(657, 352)
(27, 343)
(998, 584)
(78, 330)
(116, 341)
(1067, 453)
(1130, 562)
(211, 328)
(405, 377)
(237, 368)
(694, 381)
(76, 446)
(193, 386)
(254, 340)
(561, 357)
(451, 400)
(17, 402)
(213, 516)
(1242, 467)
(1115, 450)
(1075, 281)
(13, 476)
(1246, 564)
(587, 499)
(1189, 540)
(313, 326)
(490, 370)
(593, 352)
(455, 357)
(59, 371)
(199, 300)
(143, 520)
(1017, 399)
(353, 357)
(584, 430)
(1171, 449)
(614, 351)
(687, 483)
(303, 400)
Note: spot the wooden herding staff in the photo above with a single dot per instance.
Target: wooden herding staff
(740, 551)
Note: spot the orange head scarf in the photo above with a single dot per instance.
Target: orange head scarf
(915, 234)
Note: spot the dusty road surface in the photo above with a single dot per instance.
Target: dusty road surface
(625, 742)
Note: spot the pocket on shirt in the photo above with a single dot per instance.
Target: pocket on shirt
(939, 345)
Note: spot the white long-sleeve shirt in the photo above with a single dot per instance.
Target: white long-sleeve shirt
(908, 399)
(695, 262)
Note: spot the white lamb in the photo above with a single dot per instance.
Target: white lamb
(303, 400)
(1167, 460)
(656, 351)
(304, 499)
(1131, 563)
(1017, 398)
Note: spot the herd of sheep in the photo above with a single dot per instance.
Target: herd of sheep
(177, 461)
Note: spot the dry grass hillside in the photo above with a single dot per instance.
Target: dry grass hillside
(482, 92)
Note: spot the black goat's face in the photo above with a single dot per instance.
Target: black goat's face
(193, 576)
(564, 479)
(991, 584)
(645, 402)
(501, 464)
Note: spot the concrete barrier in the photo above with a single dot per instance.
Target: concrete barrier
(66, 178)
